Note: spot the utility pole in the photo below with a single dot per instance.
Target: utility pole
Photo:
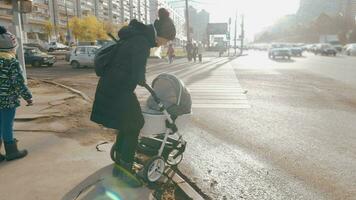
(235, 33)
(68, 33)
(242, 36)
(187, 20)
(18, 30)
(229, 38)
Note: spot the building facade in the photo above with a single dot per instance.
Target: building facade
(311, 9)
(59, 12)
(199, 23)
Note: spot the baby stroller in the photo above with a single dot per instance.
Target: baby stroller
(168, 105)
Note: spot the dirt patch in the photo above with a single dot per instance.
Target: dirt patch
(62, 112)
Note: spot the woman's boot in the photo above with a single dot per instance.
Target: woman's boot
(2, 157)
(12, 152)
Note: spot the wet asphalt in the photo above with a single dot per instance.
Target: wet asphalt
(294, 137)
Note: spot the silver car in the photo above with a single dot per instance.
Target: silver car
(83, 56)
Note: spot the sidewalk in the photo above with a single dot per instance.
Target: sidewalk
(62, 149)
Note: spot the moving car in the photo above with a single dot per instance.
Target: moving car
(325, 49)
(37, 58)
(83, 56)
(279, 52)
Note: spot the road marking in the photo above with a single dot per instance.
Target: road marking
(212, 84)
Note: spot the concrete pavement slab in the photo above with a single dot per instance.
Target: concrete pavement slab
(52, 168)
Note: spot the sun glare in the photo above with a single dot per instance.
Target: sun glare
(258, 13)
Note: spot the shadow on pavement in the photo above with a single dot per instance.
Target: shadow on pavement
(284, 60)
(110, 182)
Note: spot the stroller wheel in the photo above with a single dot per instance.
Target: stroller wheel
(154, 169)
(115, 156)
(174, 161)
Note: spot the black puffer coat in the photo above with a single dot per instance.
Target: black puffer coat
(116, 105)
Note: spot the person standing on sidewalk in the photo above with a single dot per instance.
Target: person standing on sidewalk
(189, 50)
(195, 52)
(12, 87)
(170, 53)
(200, 52)
(116, 105)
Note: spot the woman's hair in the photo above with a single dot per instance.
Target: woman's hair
(164, 25)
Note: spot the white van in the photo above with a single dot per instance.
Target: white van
(83, 56)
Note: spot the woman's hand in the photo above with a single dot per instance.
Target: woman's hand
(142, 83)
(29, 102)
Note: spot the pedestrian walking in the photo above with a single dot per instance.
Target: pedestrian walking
(12, 87)
(189, 49)
(200, 52)
(170, 53)
(116, 105)
(195, 52)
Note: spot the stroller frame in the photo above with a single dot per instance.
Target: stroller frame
(154, 168)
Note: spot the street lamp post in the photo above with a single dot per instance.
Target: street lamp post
(18, 32)
(187, 20)
(235, 34)
(242, 36)
(228, 38)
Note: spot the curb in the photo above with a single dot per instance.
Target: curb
(84, 96)
(184, 185)
(186, 188)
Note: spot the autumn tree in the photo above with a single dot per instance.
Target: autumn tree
(112, 28)
(87, 29)
(75, 24)
(48, 28)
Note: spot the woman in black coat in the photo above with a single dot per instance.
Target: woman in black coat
(116, 105)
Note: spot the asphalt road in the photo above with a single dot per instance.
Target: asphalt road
(261, 129)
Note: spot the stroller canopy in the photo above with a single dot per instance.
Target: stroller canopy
(172, 93)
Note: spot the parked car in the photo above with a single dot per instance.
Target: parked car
(83, 56)
(279, 52)
(37, 58)
(325, 49)
(37, 45)
(53, 46)
(350, 49)
(338, 47)
(296, 51)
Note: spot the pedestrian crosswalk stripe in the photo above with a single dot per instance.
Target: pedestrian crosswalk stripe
(212, 84)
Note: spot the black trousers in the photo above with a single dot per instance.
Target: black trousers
(126, 143)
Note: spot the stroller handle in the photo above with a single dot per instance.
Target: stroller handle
(153, 93)
(158, 101)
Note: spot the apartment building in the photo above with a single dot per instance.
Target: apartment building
(102, 10)
(352, 4)
(59, 12)
(311, 9)
(115, 13)
(85, 7)
(33, 22)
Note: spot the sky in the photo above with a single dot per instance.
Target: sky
(258, 13)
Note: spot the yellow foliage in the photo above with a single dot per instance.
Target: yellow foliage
(87, 29)
(48, 28)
